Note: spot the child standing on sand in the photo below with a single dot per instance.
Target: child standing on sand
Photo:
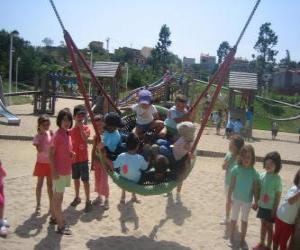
(286, 216)
(243, 186)
(80, 168)
(61, 156)
(42, 168)
(101, 177)
(235, 145)
(270, 192)
(3, 223)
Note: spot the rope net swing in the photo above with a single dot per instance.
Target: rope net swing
(218, 79)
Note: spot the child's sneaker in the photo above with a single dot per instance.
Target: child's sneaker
(225, 222)
(75, 202)
(244, 246)
(4, 222)
(88, 207)
(106, 204)
(259, 246)
(3, 231)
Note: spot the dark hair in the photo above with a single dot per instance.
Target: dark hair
(132, 141)
(113, 119)
(297, 178)
(275, 157)
(161, 164)
(243, 151)
(62, 114)
(180, 98)
(79, 109)
(41, 120)
(238, 141)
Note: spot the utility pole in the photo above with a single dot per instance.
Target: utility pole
(107, 44)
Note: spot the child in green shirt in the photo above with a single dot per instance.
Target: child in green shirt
(235, 145)
(270, 192)
(243, 186)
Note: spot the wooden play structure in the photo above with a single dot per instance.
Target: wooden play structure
(242, 90)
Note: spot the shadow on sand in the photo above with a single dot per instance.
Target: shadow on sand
(128, 214)
(176, 212)
(131, 242)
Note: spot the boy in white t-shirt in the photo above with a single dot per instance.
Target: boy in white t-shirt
(146, 113)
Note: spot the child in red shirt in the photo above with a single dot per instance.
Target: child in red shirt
(80, 168)
(3, 223)
(61, 155)
(42, 168)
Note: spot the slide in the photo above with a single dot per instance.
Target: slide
(11, 119)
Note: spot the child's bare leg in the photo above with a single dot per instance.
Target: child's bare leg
(263, 232)
(179, 186)
(157, 126)
(57, 203)
(243, 231)
(139, 132)
(50, 195)
(77, 187)
(228, 209)
(232, 228)
(86, 185)
(38, 191)
(269, 229)
(1, 213)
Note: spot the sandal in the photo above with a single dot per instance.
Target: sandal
(106, 205)
(52, 221)
(65, 230)
(75, 202)
(97, 201)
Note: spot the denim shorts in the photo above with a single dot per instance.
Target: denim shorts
(144, 127)
(80, 171)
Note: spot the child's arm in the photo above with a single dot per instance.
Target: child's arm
(276, 203)
(225, 165)
(126, 108)
(294, 198)
(84, 132)
(231, 188)
(38, 147)
(256, 191)
(52, 164)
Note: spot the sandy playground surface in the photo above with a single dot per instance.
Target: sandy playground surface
(157, 223)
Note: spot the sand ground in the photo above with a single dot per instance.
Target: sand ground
(157, 223)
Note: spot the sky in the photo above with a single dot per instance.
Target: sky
(197, 26)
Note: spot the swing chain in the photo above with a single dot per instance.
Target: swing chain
(57, 15)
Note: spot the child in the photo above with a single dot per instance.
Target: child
(131, 164)
(80, 168)
(218, 121)
(61, 156)
(112, 139)
(101, 178)
(237, 126)
(274, 130)
(179, 151)
(286, 216)
(243, 185)
(42, 168)
(270, 192)
(229, 126)
(3, 223)
(146, 113)
(235, 145)
(176, 114)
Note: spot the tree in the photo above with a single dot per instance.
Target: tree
(160, 53)
(47, 41)
(267, 40)
(223, 51)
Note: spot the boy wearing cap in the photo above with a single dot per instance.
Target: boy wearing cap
(80, 168)
(146, 113)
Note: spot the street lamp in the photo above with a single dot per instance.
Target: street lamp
(12, 34)
(17, 71)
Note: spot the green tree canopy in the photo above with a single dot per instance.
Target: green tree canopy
(223, 51)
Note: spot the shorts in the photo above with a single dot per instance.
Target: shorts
(240, 205)
(61, 183)
(172, 131)
(266, 214)
(80, 171)
(144, 127)
(274, 132)
(282, 233)
(2, 199)
(42, 169)
(218, 125)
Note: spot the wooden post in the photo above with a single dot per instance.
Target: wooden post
(295, 242)
(44, 94)
(36, 97)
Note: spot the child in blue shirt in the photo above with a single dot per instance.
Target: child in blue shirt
(131, 164)
(112, 139)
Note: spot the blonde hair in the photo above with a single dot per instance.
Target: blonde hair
(245, 149)
(186, 130)
(41, 120)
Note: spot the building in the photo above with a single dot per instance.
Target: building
(286, 81)
(96, 45)
(208, 62)
(133, 55)
(240, 64)
(187, 62)
(146, 52)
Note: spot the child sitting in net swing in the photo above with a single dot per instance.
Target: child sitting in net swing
(179, 152)
(146, 114)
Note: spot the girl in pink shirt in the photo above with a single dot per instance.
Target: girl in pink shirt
(42, 168)
(61, 156)
(3, 223)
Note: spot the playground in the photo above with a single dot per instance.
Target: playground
(169, 134)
